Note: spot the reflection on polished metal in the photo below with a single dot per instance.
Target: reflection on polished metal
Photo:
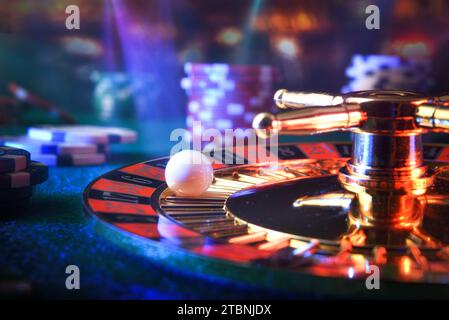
(387, 172)
(335, 199)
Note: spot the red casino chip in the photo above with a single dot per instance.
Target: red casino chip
(223, 96)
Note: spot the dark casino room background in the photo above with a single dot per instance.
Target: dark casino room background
(92, 91)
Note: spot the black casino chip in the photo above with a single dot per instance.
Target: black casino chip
(8, 196)
(36, 173)
(13, 159)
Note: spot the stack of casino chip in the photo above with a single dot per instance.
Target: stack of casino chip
(18, 176)
(223, 96)
(382, 72)
(74, 145)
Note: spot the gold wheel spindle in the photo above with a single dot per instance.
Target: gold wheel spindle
(434, 115)
(292, 100)
(307, 117)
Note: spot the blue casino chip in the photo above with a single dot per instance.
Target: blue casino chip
(70, 159)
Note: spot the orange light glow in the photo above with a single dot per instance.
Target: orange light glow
(405, 265)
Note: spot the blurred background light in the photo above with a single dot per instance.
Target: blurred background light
(229, 36)
(288, 47)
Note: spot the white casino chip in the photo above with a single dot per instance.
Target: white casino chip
(82, 133)
(49, 147)
(380, 72)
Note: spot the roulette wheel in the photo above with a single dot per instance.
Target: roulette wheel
(325, 219)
